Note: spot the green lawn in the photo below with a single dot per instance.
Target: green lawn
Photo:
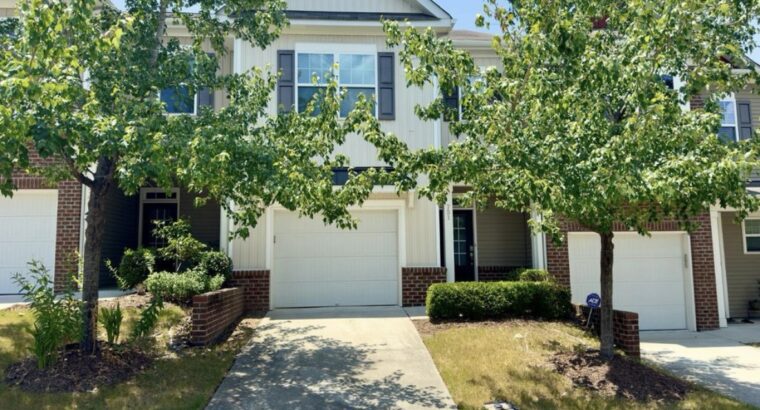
(175, 381)
(508, 361)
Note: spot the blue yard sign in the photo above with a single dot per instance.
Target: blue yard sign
(593, 300)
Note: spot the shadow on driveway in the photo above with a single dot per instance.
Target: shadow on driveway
(327, 361)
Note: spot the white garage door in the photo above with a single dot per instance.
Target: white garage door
(27, 232)
(318, 265)
(648, 275)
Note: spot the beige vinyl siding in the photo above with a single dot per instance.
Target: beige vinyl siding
(415, 132)
(394, 6)
(250, 253)
(503, 238)
(742, 270)
(7, 12)
(421, 244)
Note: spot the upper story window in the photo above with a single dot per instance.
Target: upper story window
(736, 123)
(356, 73)
(178, 100)
(728, 123)
(751, 232)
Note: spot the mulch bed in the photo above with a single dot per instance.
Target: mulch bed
(75, 372)
(134, 300)
(619, 377)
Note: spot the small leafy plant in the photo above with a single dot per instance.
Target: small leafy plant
(111, 319)
(181, 248)
(148, 319)
(57, 320)
(134, 268)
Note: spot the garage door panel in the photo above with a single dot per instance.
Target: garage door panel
(318, 265)
(27, 232)
(327, 245)
(374, 221)
(648, 276)
(336, 269)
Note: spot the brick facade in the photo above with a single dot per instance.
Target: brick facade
(494, 273)
(214, 313)
(416, 281)
(625, 328)
(703, 269)
(68, 219)
(255, 285)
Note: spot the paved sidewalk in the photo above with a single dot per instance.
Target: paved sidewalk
(334, 358)
(720, 360)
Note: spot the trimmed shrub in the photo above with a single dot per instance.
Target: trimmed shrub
(216, 263)
(181, 287)
(135, 266)
(535, 275)
(498, 300)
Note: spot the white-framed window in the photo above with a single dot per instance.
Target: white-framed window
(354, 67)
(178, 100)
(729, 123)
(751, 234)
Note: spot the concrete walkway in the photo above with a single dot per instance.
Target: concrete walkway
(720, 360)
(334, 358)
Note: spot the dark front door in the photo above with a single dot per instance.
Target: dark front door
(155, 212)
(464, 246)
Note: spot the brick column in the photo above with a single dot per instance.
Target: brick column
(68, 228)
(416, 281)
(625, 328)
(255, 284)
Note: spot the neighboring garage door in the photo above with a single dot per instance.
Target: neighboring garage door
(648, 275)
(27, 232)
(318, 265)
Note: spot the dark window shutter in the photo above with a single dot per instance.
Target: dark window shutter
(286, 85)
(451, 101)
(206, 96)
(745, 120)
(386, 85)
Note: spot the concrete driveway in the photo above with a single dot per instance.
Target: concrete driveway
(334, 358)
(720, 360)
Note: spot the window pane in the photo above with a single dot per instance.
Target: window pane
(357, 69)
(310, 65)
(352, 96)
(727, 134)
(752, 226)
(753, 244)
(178, 100)
(305, 95)
(729, 113)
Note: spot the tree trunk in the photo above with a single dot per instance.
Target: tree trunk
(606, 322)
(95, 219)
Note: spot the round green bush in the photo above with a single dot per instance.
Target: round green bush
(535, 275)
(216, 263)
(135, 266)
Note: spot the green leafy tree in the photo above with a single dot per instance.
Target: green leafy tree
(79, 83)
(577, 123)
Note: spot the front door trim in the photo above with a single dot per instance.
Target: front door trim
(152, 196)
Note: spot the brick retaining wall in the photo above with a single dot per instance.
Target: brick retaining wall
(625, 328)
(255, 285)
(214, 313)
(416, 281)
